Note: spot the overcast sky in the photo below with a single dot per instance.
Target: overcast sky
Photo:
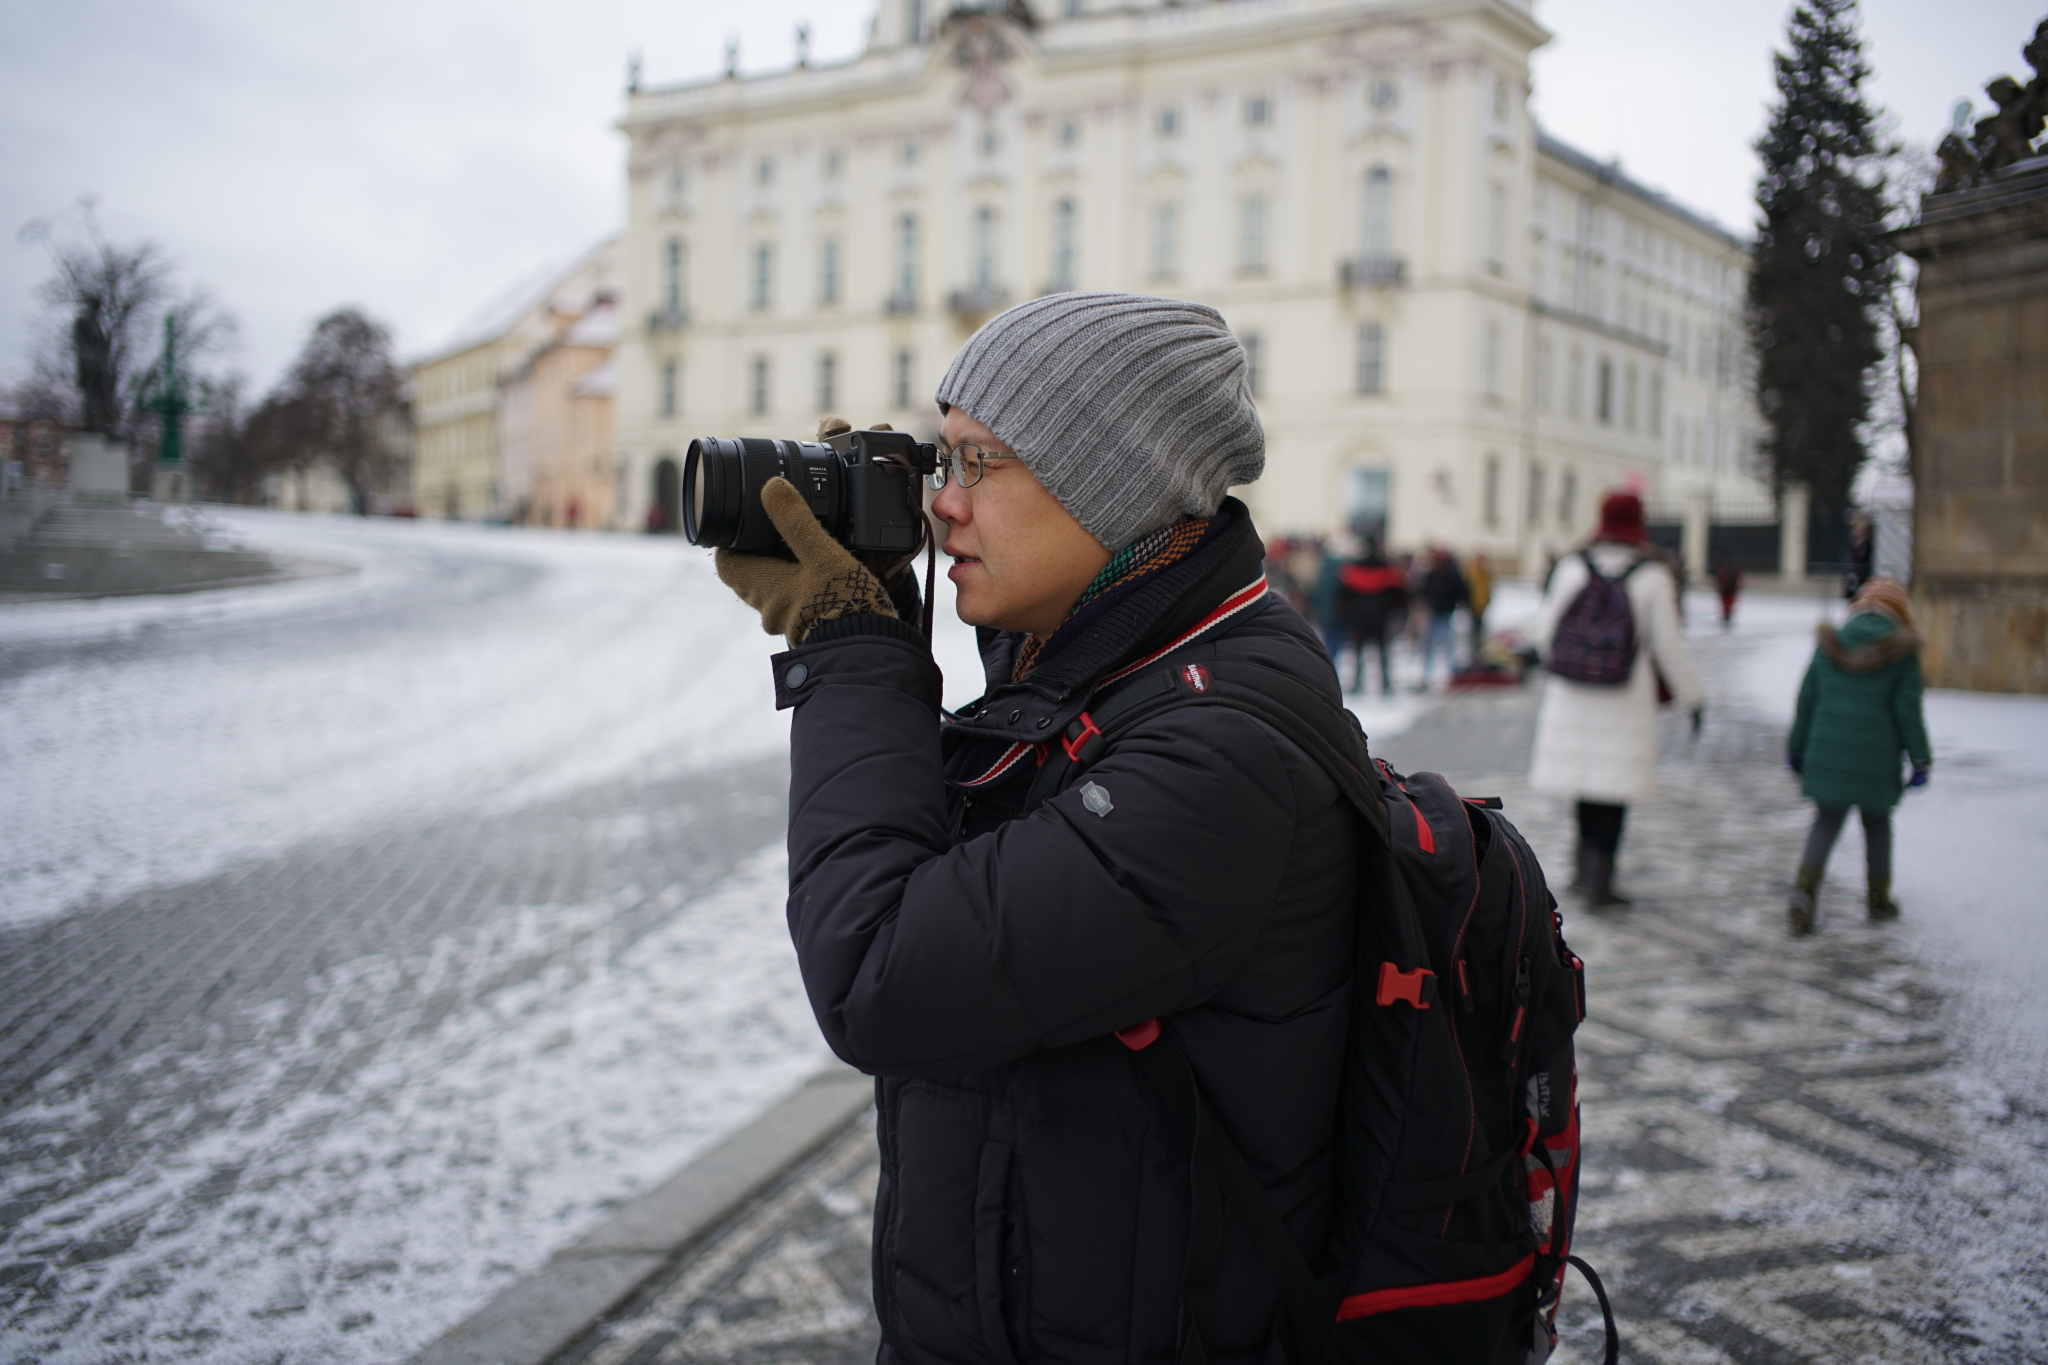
(419, 156)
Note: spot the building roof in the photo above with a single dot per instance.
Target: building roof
(1610, 173)
(503, 313)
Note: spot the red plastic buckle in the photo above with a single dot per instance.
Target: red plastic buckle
(1396, 984)
(1138, 1037)
(1074, 744)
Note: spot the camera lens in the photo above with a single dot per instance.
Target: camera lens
(712, 479)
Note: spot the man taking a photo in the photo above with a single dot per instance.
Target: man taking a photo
(980, 958)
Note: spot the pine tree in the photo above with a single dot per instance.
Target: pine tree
(1822, 267)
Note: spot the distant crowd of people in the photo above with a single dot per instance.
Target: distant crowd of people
(1357, 596)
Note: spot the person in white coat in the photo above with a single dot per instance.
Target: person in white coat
(1597, 743)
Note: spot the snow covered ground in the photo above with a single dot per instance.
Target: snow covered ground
(458, 664)
(349, 1213)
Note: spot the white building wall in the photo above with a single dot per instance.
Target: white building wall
(985, 114)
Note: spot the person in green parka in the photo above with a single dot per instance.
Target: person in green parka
(1859, 711)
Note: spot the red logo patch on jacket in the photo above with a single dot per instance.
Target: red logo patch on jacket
(1195, 678)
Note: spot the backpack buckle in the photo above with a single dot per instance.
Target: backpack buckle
(1074, 741)
(1417, 986)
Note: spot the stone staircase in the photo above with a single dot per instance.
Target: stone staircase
(107, 549)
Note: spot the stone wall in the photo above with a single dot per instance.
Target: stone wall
(1980, 448)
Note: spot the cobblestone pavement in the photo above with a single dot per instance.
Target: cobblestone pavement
(182, 1050)
(1790, 1155)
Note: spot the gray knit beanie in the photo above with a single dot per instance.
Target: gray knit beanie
(1133, 411)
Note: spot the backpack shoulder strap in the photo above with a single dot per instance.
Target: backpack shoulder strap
(1328, 734)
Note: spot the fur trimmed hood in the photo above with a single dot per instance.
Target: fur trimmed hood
(1865, 653)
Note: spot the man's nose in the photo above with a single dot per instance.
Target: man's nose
(950, 504)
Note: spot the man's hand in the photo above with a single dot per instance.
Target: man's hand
(823, 585)
(1699, 718)
(1919, 777)
(1794, 762)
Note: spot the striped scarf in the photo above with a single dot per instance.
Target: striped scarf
(1129, 568)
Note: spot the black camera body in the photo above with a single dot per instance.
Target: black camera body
(864, 487)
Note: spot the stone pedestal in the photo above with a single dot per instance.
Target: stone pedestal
(1795, 515)
(99, 467)
(170, 483)
(1692, 544)
(1980, 433)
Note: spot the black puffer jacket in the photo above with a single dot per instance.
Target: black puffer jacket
(1034, 1199)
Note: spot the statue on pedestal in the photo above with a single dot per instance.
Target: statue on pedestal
(2005, 136)
(92, 353)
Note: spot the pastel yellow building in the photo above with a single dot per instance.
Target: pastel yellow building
(479, 445)
(1460, 329)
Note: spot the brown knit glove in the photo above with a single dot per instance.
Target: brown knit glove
(824, 584)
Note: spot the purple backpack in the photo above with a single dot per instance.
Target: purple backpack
(1596, 641)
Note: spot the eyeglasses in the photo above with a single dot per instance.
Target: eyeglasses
(968, 463)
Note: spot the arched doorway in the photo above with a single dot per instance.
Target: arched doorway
(668, 491)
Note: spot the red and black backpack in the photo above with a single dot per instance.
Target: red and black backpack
(1458, 1141)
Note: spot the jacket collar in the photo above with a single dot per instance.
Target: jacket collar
(1211, 580)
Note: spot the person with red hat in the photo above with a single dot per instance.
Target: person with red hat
(1609, 633)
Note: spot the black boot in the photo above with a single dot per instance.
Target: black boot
(1579, 879)
(1600, 892)
(1800, 911)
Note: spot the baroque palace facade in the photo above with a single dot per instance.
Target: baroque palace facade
(1460, 329)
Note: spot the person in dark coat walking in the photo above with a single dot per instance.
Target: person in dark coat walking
(1727, 583)
(1444, 590)
(1371, 592)
(981, 962)
(1859, 714)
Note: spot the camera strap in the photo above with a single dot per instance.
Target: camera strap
(931, 568)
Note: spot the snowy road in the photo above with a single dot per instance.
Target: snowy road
(363, 939)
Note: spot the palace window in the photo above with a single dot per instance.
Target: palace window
(835, 162)
(1370, 372)
(1377, 237)
(1603, 406)
(902, 384)
(1496, 228)
(757, 385)
(1167, 121)
(763, 284)
(828, 381)
(1490, 498)
(1165, 241)
(913, 20)
(1064, 245)
(1490, 358)
(985, 248)
(668, 388)
(1069, 132)
(1535, 493)
(828, 271)
(672, 277)
(1258, 111)
(1568, 500)
(1384, 94)
(906, 259)
(1255, 363)
(1251, 234)
(764, 171)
